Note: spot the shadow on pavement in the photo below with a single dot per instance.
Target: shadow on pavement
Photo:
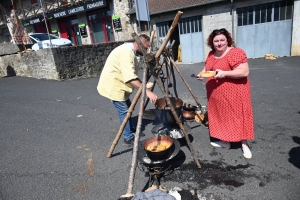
(121, 152)
(295, 153)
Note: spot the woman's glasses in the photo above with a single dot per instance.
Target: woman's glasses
(222, 30)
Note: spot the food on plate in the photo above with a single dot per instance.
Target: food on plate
(207, 74)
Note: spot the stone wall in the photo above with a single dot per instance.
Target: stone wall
(58, 63)
(128, 26)
(9, 48)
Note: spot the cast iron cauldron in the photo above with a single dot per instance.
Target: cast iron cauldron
(188, 112)
(152, 147)
(164, 112)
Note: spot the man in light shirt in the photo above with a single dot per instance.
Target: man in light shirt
(119, 78)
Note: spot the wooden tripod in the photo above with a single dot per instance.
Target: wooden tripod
(151, 66)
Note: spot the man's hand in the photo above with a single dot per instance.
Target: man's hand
(152, 96)
(137, 84)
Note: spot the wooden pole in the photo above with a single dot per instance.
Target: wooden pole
(134, 101)
(187, 85)
(178, 121)
(151, 41)
(139, 124)
(17, 21)
(169, 34)
(135, 147)
(128, 115)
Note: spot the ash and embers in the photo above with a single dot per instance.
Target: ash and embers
(210, 174)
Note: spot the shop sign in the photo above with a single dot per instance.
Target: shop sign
(34, 20)
(82, 29)
(54, 32)
(80, 8)
(117, 22)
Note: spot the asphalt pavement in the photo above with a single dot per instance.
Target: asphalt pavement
(55, 136)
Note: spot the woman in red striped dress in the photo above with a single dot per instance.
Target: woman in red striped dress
(228, 92)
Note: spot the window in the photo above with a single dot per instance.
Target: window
(282, 10)
(245, 16)
(101, 26)
(198, 27)
(239, 13)
(190, 25)
(289, 10)
(99, 15)
(263, 13)
(162, 28)
(276, 11)
(184, 24)
(257, 14)
(269, 12)
(144, 25)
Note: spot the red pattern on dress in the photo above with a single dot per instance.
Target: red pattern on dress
(229, 105)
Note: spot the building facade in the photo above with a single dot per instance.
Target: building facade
(81, 21)
(258, 26)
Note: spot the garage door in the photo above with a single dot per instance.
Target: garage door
(162, 28)
(191, 39)
(265, 29)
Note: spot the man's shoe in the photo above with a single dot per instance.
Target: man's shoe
(129, 142)
(221, 144)
(246, 152)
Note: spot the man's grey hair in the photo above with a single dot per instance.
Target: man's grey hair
(144, 37)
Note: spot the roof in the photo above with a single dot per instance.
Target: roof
(161, 6)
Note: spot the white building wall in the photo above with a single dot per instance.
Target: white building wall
(212, 22)
(217, 16)
(295, 51)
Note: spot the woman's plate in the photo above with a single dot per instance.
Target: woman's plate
(208, 74)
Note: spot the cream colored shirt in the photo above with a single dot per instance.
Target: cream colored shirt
(119, 68)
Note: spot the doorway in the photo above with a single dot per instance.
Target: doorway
(41, 28)
(73, 31)
(101, 27)
(191, 42)
(163, 28)
(175, 37)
